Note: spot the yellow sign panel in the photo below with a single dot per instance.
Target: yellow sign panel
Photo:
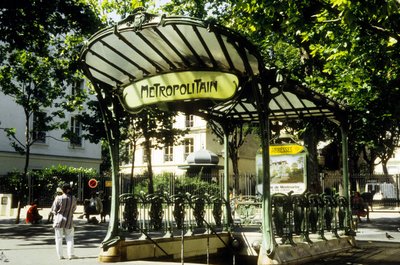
(108, 183)
(285, 149)
(180, 86)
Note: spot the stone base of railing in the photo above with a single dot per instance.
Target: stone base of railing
(165, 248)
(113, 253)
(299, 252)
(303, 252)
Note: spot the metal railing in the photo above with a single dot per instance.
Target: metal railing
(163, 214)
(294, 215)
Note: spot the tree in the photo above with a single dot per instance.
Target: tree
(272, 25)
(158, 131)
(237, 134)
(132, 134)
(347, 50)
(39, 43)
(360, 57)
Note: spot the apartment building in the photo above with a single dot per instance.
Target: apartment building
(50, 147)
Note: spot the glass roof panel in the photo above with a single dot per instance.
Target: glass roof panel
(196, 43)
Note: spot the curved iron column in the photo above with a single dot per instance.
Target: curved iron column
(268, 239)
(111, 125)
(112, 236)
(344, 128)
(226, 180)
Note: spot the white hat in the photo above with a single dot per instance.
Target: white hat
(59, 190)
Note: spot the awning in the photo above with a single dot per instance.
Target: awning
(144, 46)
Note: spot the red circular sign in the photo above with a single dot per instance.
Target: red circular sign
(92, 183)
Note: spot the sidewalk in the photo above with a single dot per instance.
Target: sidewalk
(25, 244)
(373, 247)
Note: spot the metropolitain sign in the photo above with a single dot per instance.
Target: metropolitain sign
(179, 86)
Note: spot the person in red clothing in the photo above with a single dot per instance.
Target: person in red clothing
(32, 215)
(358, 206)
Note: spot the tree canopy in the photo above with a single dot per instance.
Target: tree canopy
(345, 49)
(39, 47)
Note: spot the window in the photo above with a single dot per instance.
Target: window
(189, 148)
(189, 121)
(168, 154)
(77, 89)
(76, 130)
(144, 159)
(38, 124)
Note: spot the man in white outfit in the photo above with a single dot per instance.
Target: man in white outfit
(63, 208)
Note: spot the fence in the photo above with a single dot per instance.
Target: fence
(381, 191)
(164, 214)
(306, 217)
(187, 207)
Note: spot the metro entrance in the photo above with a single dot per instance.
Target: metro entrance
(200, 68)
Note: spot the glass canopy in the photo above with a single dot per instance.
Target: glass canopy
(143, 46)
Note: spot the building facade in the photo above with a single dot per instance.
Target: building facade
(393, 165)
(170, 159)
(50, 148)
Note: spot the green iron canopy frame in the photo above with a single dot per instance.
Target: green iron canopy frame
(174, 61)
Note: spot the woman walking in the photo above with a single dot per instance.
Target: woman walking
(63, 208)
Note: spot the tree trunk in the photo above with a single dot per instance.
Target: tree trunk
(310, 142)
(149, 166)
(384, 167)
(369, 157)
(26, 166)
(235, 169)
(132, 166)
(354, 169)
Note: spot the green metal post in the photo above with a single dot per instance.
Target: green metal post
(226, 181)
(268, 240)
(111, 125)
(112, 235)
(345, 166)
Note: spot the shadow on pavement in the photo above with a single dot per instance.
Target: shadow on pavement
(86, 235)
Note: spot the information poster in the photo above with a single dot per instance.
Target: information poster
(287, 169)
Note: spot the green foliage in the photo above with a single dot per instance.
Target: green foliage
(55, 176)
(196, 186)
(178, 185)
(10, 183)
(39, 47)
(348, 50)
(45, 181)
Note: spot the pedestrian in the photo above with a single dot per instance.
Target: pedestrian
(358, 206)
(32, 215)
(93, 206)
(63, 208)
(50, 217)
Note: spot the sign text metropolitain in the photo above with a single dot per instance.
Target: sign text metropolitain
(198, 86)
(177, 86)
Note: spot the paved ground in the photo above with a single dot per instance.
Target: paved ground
(373, 247)
(25, 244)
